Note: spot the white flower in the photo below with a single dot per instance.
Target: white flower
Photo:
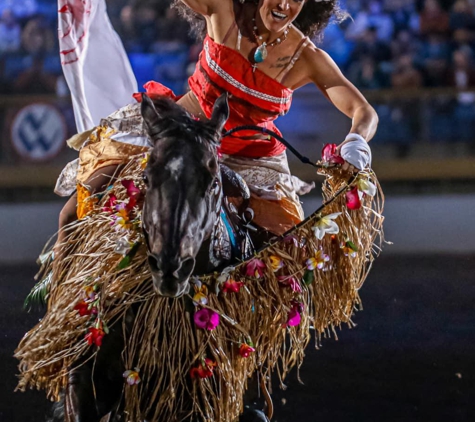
(123, 246)
(364, 185)
(326, 225)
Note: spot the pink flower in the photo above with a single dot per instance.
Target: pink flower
(110, 204)
(206, 319)
(132, 190)
(255, 268)
(353, 199)
(330, 156)
(232, 286)
(293, 317)
(290, 281)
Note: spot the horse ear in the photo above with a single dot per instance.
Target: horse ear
(220, 112)
(149, 112)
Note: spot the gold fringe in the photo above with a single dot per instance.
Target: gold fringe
(164, 342)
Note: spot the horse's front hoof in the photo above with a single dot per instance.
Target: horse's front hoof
(253, 415)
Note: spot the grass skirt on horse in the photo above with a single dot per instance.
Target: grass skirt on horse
(193, 356)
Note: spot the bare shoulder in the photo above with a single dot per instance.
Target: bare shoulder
(320, 67)
(316, 58)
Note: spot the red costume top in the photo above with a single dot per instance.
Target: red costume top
(255, 98)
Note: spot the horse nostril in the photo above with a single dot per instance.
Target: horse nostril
(153, 263)
(185, 269)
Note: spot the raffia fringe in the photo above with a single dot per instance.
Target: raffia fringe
(164, 342)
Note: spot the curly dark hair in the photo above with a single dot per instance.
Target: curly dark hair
(312, 19)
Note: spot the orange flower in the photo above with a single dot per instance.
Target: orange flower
(245, 350)
(203, 370)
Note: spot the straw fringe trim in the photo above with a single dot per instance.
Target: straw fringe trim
(164, 342)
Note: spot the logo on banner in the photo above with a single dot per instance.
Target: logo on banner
(38, 132)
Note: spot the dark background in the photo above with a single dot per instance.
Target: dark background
(410, 358)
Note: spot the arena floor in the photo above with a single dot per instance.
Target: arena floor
(411, 357)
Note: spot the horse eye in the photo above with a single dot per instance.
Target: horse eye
(215, 186)
(145, 178)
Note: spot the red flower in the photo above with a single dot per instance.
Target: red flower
(95, 336)
(245, 350)
(85, 308)
(132, 190)
(353, 199)
(232, 286)
(110, 204)
(203, 370)
(330, 156)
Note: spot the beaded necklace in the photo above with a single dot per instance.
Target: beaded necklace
(261, 51)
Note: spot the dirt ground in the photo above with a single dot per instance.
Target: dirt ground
(411, 357)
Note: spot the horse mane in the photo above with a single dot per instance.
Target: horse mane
(180, 123)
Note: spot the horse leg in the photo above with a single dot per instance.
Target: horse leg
(79, 400)
(94, 387)
(253, 415)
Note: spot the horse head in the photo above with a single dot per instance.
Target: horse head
(183, 189)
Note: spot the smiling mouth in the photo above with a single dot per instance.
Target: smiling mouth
(279, 16)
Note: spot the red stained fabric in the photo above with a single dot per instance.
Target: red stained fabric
(211, 79)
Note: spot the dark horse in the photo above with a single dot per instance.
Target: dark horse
(180, 212)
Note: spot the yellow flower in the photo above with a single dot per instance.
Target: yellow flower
(144, 160)
(276, 262)
(326, 225)
(201, 295)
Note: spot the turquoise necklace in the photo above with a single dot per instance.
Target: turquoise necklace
(261, 51)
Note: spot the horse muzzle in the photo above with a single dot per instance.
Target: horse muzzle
(170, 279)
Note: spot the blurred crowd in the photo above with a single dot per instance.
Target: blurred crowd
(386, 43)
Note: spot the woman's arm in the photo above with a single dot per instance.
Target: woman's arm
(206, 7)
(324, 73)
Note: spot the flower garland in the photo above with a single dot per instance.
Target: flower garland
(239, 317)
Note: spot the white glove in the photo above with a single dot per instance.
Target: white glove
(356, 151)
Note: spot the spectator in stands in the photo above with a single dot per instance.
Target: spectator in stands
(173, 35)
(462, 23)
(35, 80)
(403, 14)
(434, 57)
(433, 19)
(10, 33)
(372, 16)
(22, 9)
(404, 43)
(405, 74)
(366, 74)
(369, 44)
(462, 73)
(37, 38)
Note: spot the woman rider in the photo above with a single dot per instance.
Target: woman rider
(259, 52)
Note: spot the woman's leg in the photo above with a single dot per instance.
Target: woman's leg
(98, 182)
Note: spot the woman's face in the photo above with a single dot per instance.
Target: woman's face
(276, 15)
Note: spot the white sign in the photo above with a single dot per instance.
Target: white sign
(38, 132)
